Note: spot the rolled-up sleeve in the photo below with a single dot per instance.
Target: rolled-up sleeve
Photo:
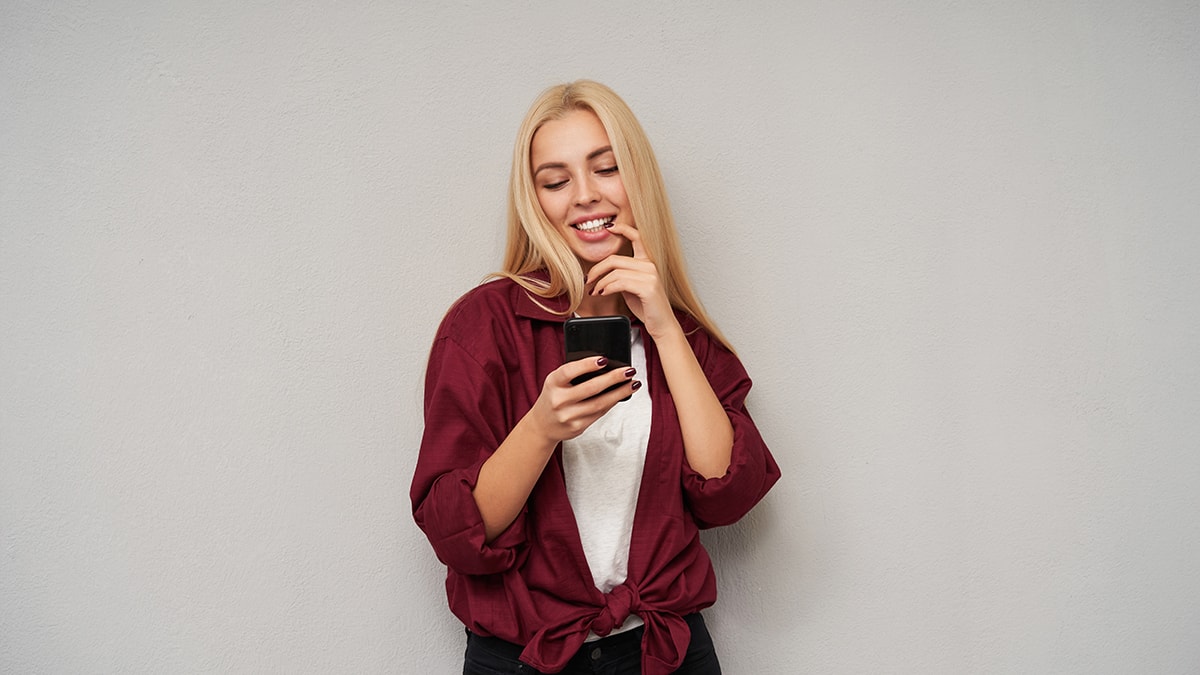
(464, 414)
(752, 469)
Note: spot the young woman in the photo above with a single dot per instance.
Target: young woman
(568, 518)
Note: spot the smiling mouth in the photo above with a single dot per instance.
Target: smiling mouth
(594, 225)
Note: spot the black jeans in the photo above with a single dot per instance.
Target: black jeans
(617, 655)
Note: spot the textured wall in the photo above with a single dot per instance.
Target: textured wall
(956, 243)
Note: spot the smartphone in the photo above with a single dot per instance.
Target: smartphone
(606, 336)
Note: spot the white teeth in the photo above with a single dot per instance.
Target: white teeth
(593, 225)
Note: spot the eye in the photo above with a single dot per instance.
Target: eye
(554, 186)
(607, 171)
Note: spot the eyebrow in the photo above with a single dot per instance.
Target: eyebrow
(559, 165)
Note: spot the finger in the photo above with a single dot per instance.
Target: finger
(610, 398)
(573, 369)
(602, 268)
(587, 411)
(615, 265)
(633, 281)
(631, 233)
(603, 393)
(586, 390)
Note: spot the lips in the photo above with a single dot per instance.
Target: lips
(593, 225)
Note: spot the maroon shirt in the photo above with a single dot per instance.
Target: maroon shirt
(532, 585)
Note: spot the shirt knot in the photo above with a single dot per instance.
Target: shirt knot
(618, 605)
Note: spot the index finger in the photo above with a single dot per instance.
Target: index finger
(579, 367)
(631, 233)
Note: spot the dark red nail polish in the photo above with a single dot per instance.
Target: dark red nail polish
(636, 385)
(631, 372)
(601, 362)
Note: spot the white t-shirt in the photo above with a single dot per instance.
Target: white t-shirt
(603, 469)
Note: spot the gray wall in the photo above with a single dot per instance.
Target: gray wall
(955, 243)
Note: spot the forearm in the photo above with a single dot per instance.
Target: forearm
(707, 432)
(507, 478)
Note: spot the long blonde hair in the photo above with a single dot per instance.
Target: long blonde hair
(533, 242)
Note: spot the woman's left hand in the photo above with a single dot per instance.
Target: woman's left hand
(707, 431)
(636, 278)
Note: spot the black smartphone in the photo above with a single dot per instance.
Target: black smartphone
(606, 336)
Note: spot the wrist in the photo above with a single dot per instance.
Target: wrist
(668, 335)
(532, 433)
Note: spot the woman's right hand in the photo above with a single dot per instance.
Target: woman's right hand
(563, 410)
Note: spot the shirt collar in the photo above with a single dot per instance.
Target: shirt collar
(531, 306)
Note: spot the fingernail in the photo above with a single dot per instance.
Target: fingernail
(601, 362)
(636, 385)
(631, 372)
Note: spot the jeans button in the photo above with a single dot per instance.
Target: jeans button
(596, 654)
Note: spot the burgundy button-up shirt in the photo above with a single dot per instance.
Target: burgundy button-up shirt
(532, 585)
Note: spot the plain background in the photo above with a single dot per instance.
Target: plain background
(956, 244)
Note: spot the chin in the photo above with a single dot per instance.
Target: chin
(592, 257)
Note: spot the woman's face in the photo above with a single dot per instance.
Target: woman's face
(579, 187)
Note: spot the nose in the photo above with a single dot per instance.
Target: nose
(585, 190)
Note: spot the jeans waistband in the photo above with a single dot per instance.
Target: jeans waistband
(629, 641)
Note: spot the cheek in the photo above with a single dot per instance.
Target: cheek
(551, 207)
(619, 195)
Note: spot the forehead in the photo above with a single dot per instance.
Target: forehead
(570, 138)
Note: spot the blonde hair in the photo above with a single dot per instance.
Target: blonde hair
(534, 243)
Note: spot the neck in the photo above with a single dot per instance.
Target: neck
(599, 305)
